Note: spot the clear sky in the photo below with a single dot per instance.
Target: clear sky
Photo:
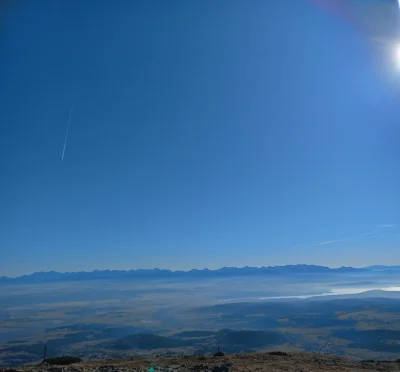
(203, 134)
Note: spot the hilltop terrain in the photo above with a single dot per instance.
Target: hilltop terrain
(288, 362)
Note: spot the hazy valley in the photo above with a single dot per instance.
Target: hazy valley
(292, 308)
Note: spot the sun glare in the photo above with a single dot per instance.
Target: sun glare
(397, 55)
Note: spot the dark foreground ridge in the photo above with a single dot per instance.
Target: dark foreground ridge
(272, 361)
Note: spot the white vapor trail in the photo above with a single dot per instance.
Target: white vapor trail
(373, 234)
(66, 135)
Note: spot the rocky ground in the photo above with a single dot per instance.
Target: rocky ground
(299, 362)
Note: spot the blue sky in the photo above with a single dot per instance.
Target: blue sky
(203, 134)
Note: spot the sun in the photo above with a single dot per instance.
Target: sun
(397, 55)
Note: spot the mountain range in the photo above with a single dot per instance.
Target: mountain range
(53, 276)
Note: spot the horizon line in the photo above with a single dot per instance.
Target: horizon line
(190, 270)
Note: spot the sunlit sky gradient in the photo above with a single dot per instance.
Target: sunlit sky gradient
(203, 134)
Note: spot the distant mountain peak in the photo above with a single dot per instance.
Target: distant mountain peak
(157, 273)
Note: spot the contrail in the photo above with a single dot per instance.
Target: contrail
(372, 234)
(66, 135)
